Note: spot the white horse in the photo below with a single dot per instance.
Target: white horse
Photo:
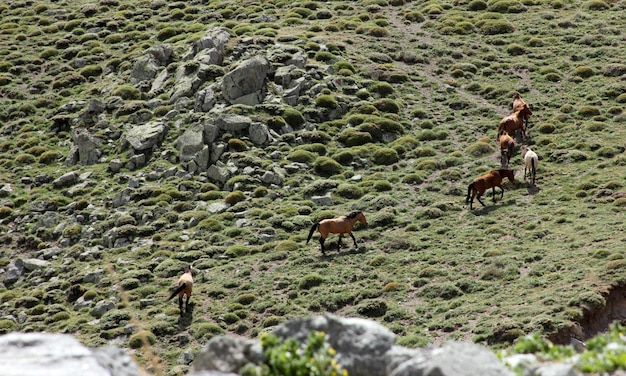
(530, 162)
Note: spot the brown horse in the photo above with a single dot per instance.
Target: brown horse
(340, 225)
(507, 145)
(184, 287)
(515, 121)
(518, 104)
(492, 179)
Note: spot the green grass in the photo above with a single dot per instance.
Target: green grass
(419, 91)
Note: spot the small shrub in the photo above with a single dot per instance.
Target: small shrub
(7, 326)
(515, 49)
(480, 148)
(91, 71)
(234, 197)
(496, 26)
(246, 299)
(387, 105)
(289, 357)
(546, 128)
(293, 117)
(372, 308)
(207, 330)
(385, 156)
(309, 281)
(588, 111)
(344, 157)
(326, 101)
(596, 5)
(327, 166)
(382, 88)
(594, 126)
(349, 191)
(236, 144)
(5, 212)
(127, 92)
(167, 33)
(302, 156)
(584, 71)
(24, 159)
(49, 156)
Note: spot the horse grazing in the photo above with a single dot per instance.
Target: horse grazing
(492, 179)
(531, 161)
(184, 287)
(515, 121)
(507, 145)
(340, 225)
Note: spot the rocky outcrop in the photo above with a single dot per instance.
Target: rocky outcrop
(363, 348)
(34, 354)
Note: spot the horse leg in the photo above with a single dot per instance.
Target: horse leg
(180, 303)
(501, 191)
(187, 303)
(339, 242)
(493, 193)
(479, 200)
(353, 239)
(322, 245)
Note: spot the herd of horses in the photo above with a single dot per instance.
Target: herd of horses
(506, 134)
(507, 128)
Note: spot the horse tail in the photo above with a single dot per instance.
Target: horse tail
(178, 290)
(313, 228)
(469, 192)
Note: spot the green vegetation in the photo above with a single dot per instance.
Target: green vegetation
(393, 111)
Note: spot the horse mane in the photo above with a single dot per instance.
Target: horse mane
(353, 214)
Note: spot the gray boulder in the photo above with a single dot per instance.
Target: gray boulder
(233, 123)
(146, 136)
(147, 66)
(361, 344)
(244, 84)
(34, 354)
(85, 149)
(210, 48)
(454, 358)
(259, 133)
(227, 354)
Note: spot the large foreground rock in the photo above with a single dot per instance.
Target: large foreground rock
(36, 354)
(363, 348)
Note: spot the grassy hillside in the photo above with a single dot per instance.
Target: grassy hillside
(440, 74)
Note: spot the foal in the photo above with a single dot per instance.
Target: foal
(531, 161)
(185, 285)
(492, 179)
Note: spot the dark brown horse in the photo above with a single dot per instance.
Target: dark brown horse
(340, 225)
(515, 121)
(507, 145)
(492, 179)
(184, 287)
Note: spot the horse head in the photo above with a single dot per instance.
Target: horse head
(525, 110)
(507, 173)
